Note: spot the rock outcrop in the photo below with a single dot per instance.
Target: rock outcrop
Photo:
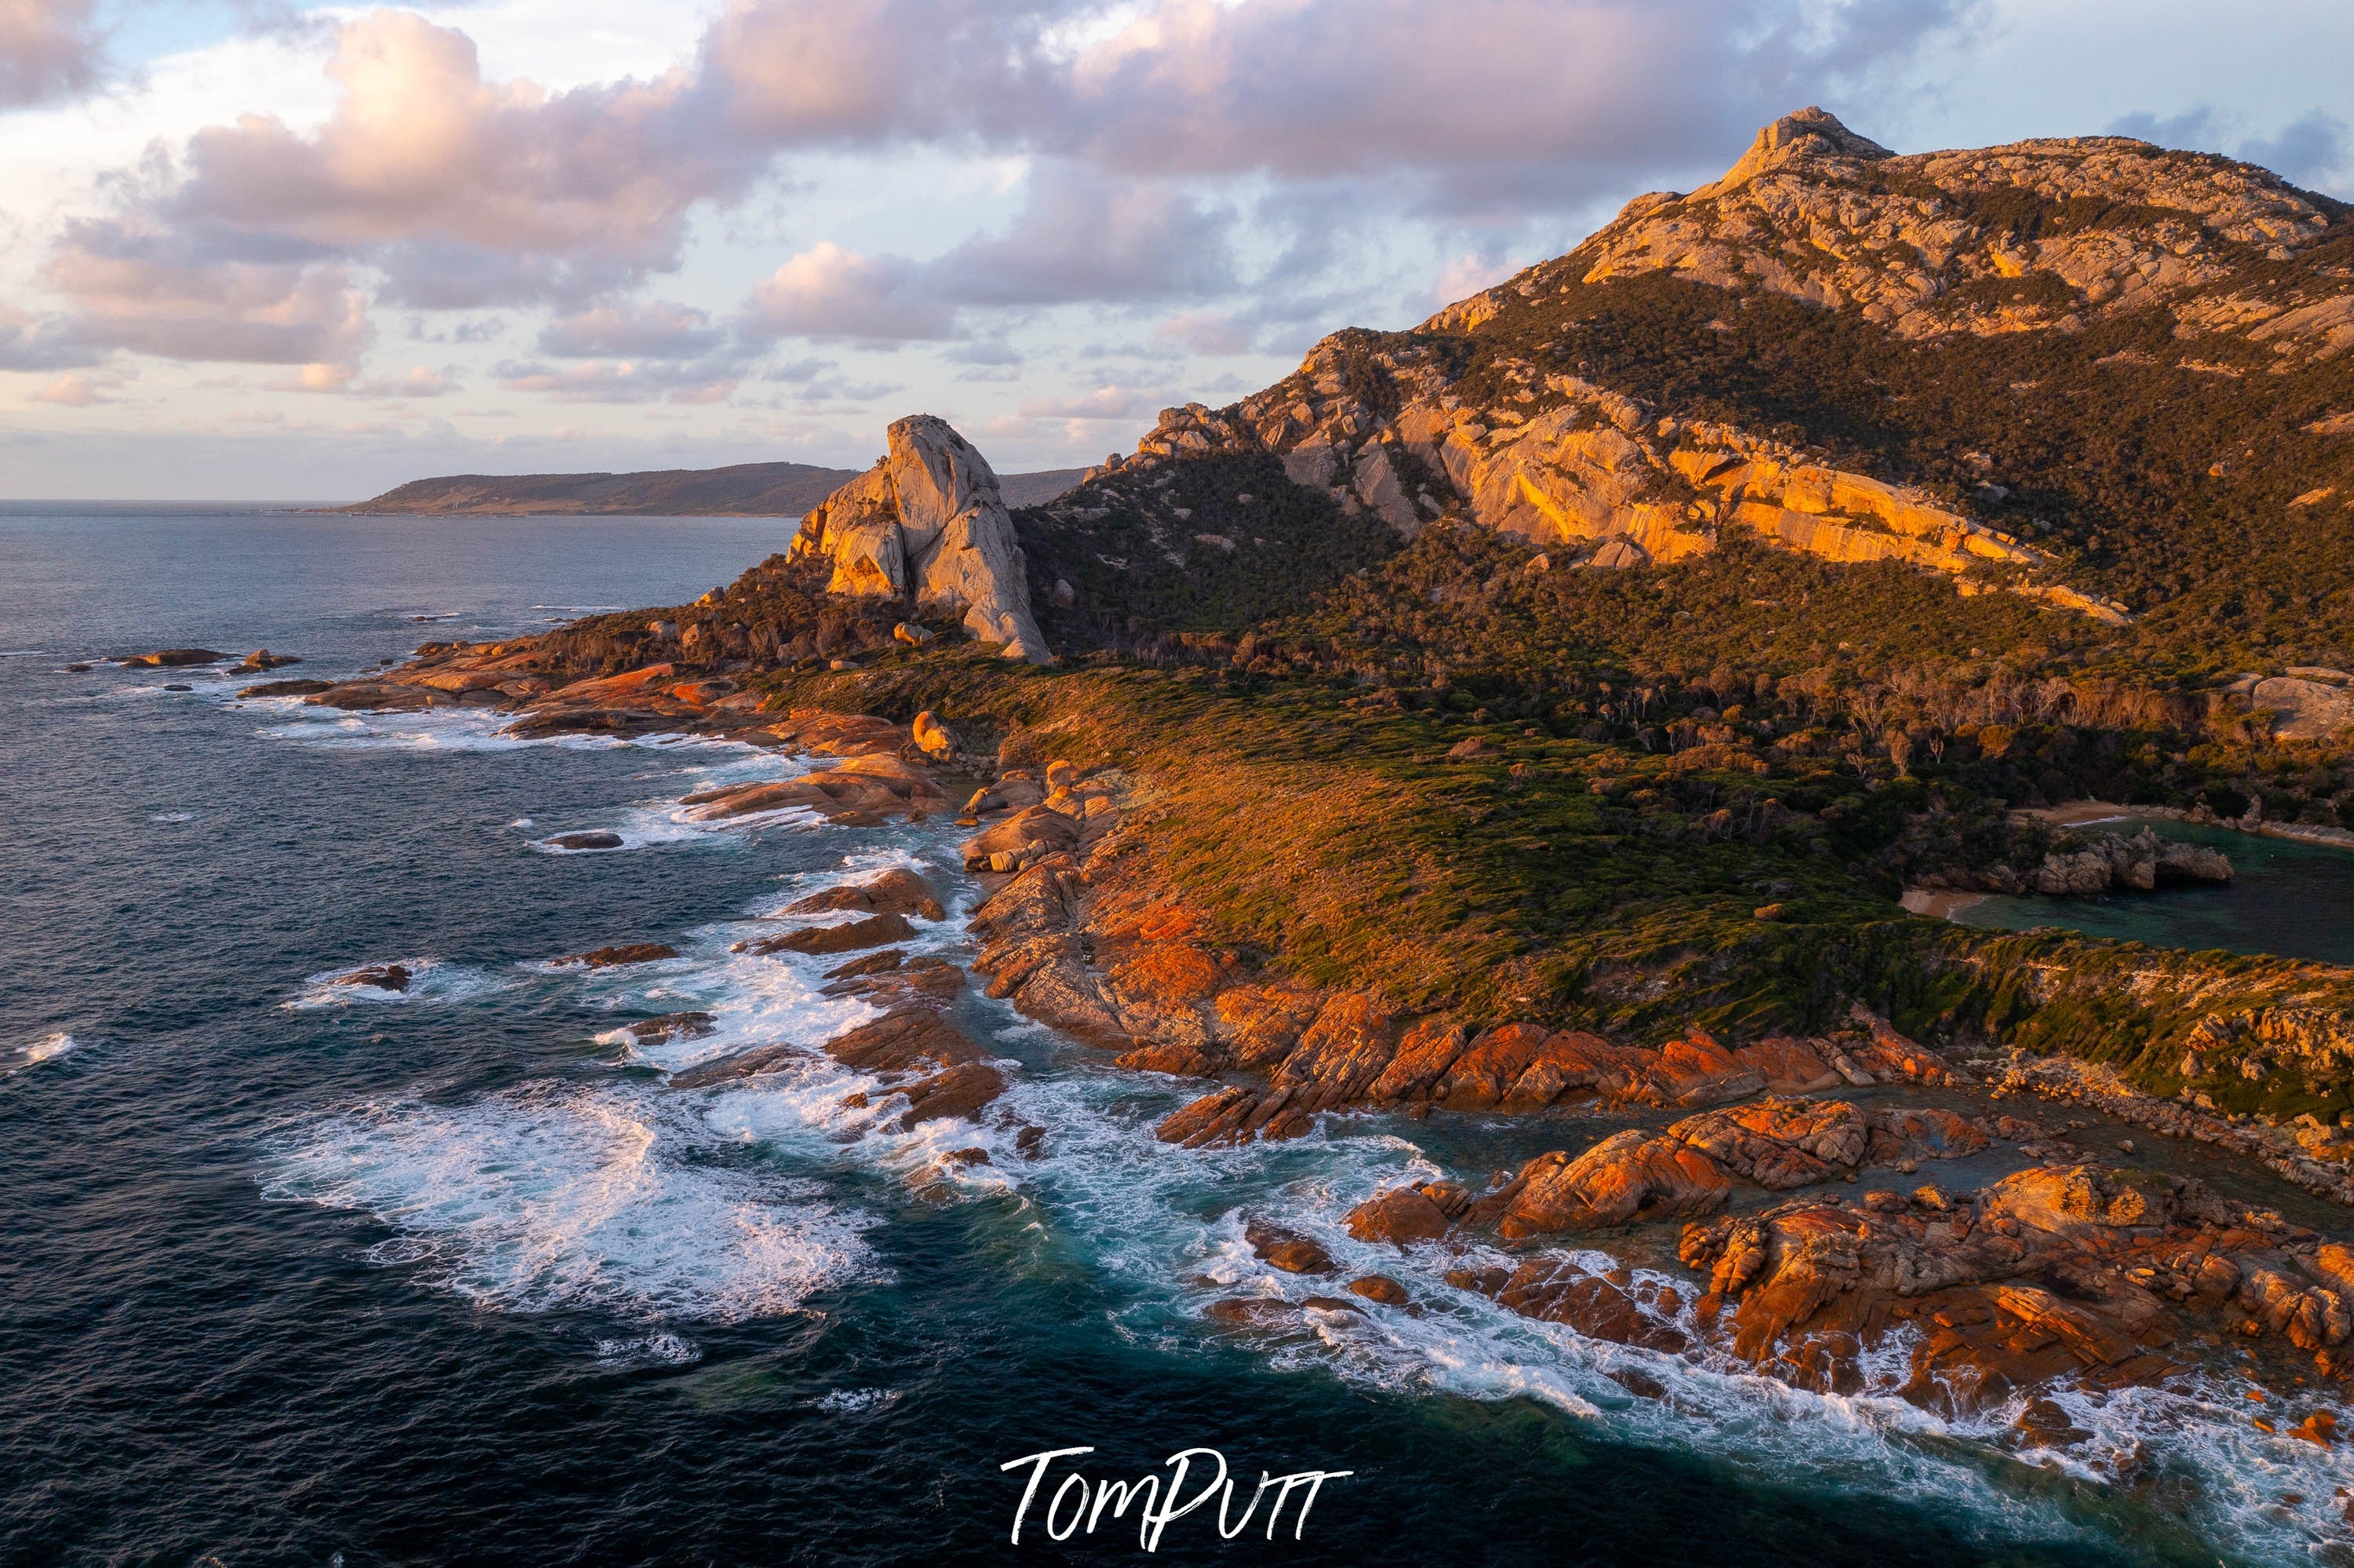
(2096, 863)
(2039, 237)
(927, 525)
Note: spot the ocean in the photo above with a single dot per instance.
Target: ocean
(295, 1273)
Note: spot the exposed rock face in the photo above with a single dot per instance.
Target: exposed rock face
(926, 524)
(2052, 1275)
(863, 788)
(1924, 246)
(2307, 709)
(2097, 863)
(873, 931)
(897, 891)
(1888, 239)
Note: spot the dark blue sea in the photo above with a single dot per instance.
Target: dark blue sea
(293, 1272)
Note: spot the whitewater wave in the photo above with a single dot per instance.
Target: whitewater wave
(430, 729)
(430, 980)
(681, 1205)
(562, 1196)
(48, 1048)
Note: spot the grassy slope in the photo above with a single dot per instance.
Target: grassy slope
(1343, 845)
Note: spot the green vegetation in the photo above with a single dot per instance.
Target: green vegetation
(1649, 799)
(2168, 488)
(1217, 544)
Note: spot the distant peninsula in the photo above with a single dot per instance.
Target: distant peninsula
(744, 490)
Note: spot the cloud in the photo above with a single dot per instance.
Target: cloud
(49, 49)
(148, 290)
(2314, 150)
(420, 382)
(1081, 237)
(1104, 403)
(28, 341)
(429, 186)
(74, 390)
(1208, 332)
(1077, 238)
(986, 351)
(828, 292)
(435, 172)
(652, 328)
(619, 381)
(315, 378)
(1564, 97)
(847, 73)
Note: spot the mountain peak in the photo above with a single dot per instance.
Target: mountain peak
(1809, 135)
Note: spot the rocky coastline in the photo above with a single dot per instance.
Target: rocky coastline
(1763, 1196)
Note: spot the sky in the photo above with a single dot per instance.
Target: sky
(252, 249)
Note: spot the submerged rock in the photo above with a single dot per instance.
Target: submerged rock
(378, 977)
(174, 658)
(619, 954)
(596, 839)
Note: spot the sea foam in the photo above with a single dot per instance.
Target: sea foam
(562, 1196)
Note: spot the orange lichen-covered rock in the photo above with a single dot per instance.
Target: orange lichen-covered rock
(1400, 1216)
(1696, 1070)
(1788, 1066)
(1485, 1072)
(1349, 1045)
(1567, 1062)
(1780, 1143)
(1261, 1025)
(1425, 1052)
(1166, 974)
(1628, 1175)
(904, 1038)
(607, 689)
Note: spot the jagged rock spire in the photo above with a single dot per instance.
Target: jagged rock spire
(1810, 134)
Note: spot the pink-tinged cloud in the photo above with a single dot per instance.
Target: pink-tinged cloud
(829, 293)
(140, 289)
(71, 390)
(49, 49)
(450, 191)
(1103, 403)
(619, 381)
(829, 73)
(1081, 237)
(420, 382)
(422, 152)
(655, 329)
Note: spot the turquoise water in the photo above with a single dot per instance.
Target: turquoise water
(2286, 897)
(292, 1275)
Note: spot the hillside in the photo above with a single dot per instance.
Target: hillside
(1616, 647)
(2090, 374)
(745, 490)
